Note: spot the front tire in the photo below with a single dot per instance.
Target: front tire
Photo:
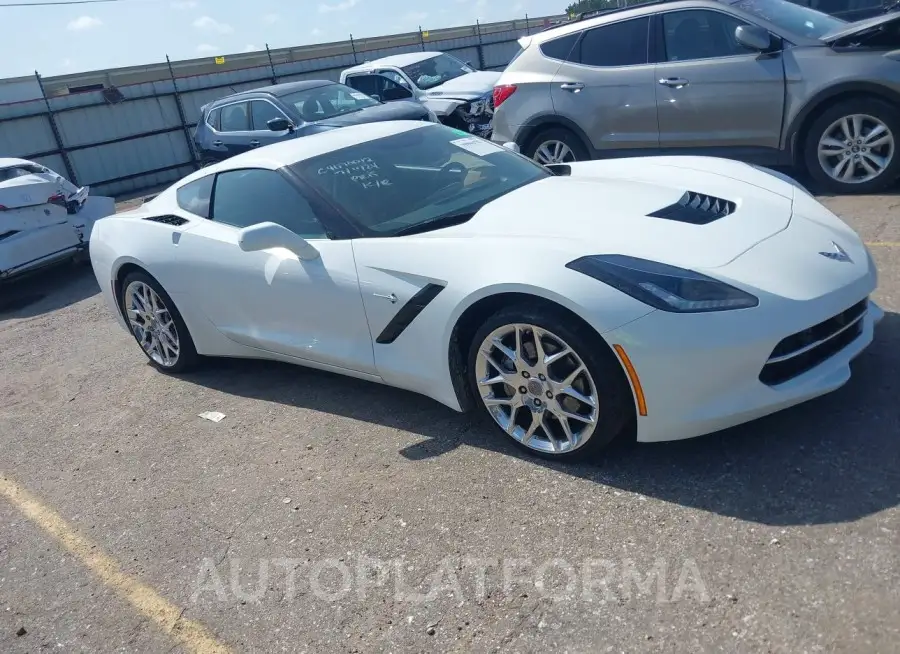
(156, 324)
(557, 392)
(851, 147)
(555, 146)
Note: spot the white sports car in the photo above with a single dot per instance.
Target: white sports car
(680, 294)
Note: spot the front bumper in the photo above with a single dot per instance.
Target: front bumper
(702, 373)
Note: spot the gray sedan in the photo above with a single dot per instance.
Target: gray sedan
(765, 81)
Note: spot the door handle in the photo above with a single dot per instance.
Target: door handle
(217, 143)
(254, 143)
(571, 86)
(392, 298)
(674, 82)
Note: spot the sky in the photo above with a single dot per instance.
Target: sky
(57, 40)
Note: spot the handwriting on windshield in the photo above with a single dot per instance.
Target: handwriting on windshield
(363, 171)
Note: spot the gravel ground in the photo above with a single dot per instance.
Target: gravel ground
(325, 514)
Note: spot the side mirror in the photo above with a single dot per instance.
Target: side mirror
(512, 145)
(279, 124)
(263, 236)
(753, 37)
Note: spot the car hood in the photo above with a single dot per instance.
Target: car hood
(398, 110)
(858, 27)
(607, 206)
(466, 87)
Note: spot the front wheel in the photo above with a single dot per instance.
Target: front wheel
(555, 392)
(852, 146)
(156, 324)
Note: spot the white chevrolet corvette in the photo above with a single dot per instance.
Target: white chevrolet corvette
(683, 294)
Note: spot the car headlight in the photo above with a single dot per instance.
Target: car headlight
(662, 286)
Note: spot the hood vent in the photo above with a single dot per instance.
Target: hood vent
(167, 220)
(696, 209)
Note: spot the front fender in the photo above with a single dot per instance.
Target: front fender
(443, 106)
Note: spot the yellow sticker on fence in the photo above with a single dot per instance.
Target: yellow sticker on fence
(425, 34)
(220, 60)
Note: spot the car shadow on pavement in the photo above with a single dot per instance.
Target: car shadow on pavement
(46, 291)
(834, 459)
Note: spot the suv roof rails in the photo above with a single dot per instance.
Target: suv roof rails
(602, 12)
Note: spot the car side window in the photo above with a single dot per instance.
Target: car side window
(213, 118)
(261, 112)
(701, 34)
(560, 48)
(619, 44)
(367, 84)
(194, 196)
(253, 195)
(235, 118)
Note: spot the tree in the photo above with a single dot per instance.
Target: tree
(582, 6)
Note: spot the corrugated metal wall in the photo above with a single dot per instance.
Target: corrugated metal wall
(143, 142)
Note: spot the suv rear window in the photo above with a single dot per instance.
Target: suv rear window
(560, 48)
(619, 44)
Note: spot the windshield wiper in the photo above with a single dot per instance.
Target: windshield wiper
(436, 223)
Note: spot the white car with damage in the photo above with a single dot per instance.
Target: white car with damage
(459, 95)
(44, 218)
(677, 295)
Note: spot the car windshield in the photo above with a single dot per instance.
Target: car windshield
(434, 71)
(792, 17)
(327, 101)
(420, 179)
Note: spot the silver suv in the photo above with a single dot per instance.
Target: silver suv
(764, 81)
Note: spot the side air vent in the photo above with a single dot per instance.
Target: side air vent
(696, 208)
(167, 220)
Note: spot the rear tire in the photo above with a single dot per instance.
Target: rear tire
(556, 143)
(569, 409)
(156, 324)
(851, 139)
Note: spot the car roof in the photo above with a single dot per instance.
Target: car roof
(398, 60)
(281, 89)
(607, 16)
(9, 162)
(286, 153)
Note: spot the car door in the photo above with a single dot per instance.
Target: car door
(606, 87)
(712, 92)
(234, 134)
(270, 299)
(261, 112)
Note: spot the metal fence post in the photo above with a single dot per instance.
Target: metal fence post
(271, 65)
(184, 126)
(480, 46)
(353, 47)
(421, 39)
(527, 25)
(70, 171)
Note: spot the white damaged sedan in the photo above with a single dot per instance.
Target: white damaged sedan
(683, 294)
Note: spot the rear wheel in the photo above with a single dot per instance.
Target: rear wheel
(553, 391)
(556, 145)
(156, 324)
(852, 146)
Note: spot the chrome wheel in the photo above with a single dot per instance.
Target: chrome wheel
(551, 152)
(536, 388)
(152, 324)
(856, 148)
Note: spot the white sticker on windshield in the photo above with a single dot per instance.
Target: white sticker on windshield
(477, 145)
(359, 96)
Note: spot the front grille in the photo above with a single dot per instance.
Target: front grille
(696, 209)
(803, 351)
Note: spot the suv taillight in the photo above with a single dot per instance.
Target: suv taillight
(502, 92)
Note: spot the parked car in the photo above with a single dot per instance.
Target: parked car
(459, 95)
(849, 10)
(44, 218)
(382, 252)
(766, 81)
(251, 119)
